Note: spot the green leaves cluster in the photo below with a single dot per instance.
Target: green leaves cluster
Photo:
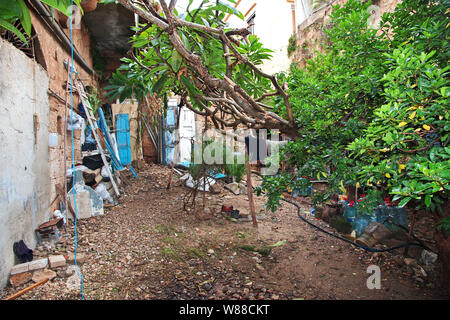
(405, 147)
(12, 11)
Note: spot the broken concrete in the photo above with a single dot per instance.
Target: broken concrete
(20, 279)
(20, 268)
(378, 231)
(74, 282)
(70, 258)
(233, 187)
(40, 275)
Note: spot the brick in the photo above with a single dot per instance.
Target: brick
(43, 274)
(38, 264)
(20, 279)
(19, 268)
(57, 261)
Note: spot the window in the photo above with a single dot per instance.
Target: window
(251, 23)
(32, 48)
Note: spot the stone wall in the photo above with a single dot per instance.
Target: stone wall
(310, 33)
(24, 157)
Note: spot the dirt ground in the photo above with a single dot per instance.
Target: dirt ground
(147, 247)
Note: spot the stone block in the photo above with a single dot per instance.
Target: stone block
(38, 264)
(20, 268)
(57, 261)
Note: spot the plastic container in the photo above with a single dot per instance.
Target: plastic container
(350, 213)
(392, 217)
(52, 139)
(361, 222)
(313, 212)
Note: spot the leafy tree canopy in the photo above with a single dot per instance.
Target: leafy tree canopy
(214, 68)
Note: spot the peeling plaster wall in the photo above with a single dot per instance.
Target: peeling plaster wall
(54, 56)
(24, 156)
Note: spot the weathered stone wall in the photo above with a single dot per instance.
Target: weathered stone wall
(310, 33)
(54, 55)
(24, 157)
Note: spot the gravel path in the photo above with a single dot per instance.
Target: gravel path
(147, 247)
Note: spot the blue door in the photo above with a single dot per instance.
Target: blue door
(123, 138)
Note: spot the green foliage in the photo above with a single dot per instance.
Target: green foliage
(368, 202)
(292, 45)
(444, 225)
(12, 11)
(157, 67)
(236, 170)
(334, 96)
(405, 147)
(372, 107)
(94, 99)
(274, 187)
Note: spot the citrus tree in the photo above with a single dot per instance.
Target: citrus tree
(405, 146)
(372, 107)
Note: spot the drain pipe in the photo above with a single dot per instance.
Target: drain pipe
(42, 10)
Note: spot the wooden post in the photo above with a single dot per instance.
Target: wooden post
(250, 191)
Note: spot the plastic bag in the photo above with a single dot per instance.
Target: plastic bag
(77, 122)
(104, 172)
(59, 214)
(191, 183)
(103, 192)
(69, 171)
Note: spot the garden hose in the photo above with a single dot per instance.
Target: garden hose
(423, 245)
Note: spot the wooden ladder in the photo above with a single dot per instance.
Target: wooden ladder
(94, 126)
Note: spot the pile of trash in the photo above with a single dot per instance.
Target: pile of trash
(385, 225)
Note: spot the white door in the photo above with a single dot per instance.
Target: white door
(187, 133)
